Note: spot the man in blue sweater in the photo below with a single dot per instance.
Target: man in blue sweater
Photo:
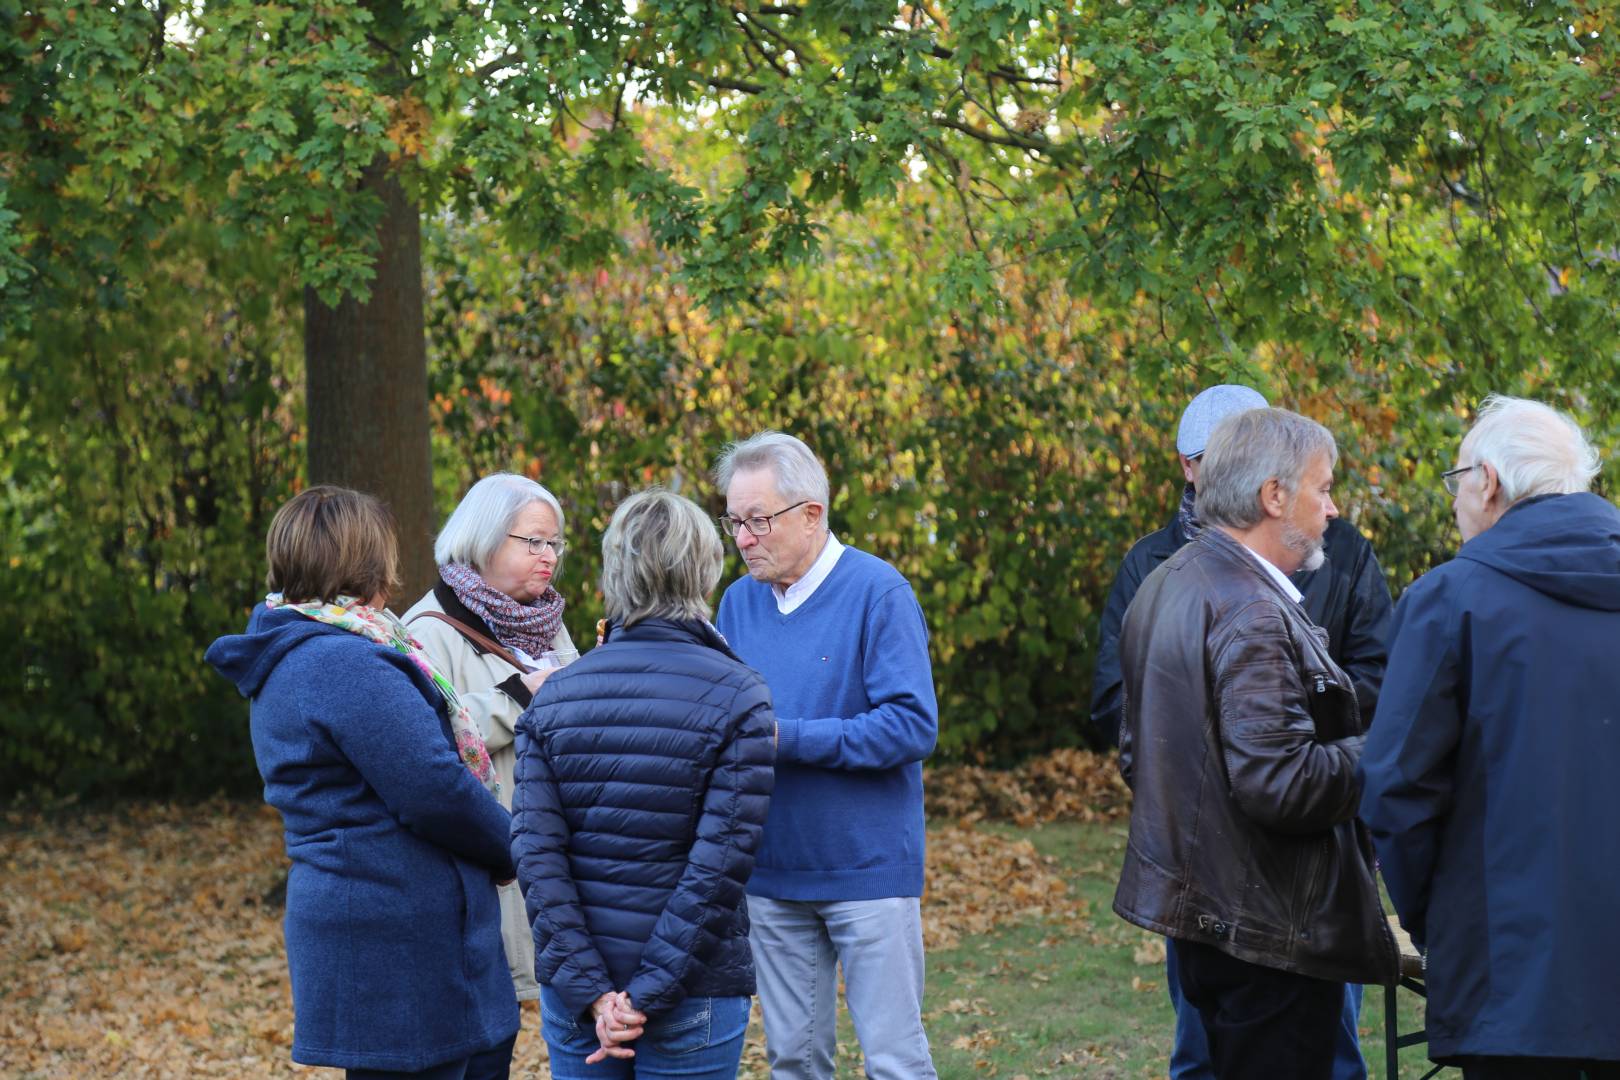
(841, 642)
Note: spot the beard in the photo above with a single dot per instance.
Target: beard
(1302, 544)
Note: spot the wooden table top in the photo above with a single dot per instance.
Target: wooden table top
(1411, 960)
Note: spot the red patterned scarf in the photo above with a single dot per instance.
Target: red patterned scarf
(532, 627)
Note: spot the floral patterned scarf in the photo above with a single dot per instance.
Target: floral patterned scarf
(380, 626)
(531, 627)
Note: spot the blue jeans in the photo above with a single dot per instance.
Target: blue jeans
(700, 1039)
(798, 947)
(1189, 1060)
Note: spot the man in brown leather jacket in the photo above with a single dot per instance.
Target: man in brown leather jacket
(1240, 743)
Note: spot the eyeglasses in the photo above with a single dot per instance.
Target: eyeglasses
(538, 544)
(1452, 478)
(759, 524)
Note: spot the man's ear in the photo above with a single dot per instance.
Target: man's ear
(814, 512)
(1490, 484)
(1273, 499)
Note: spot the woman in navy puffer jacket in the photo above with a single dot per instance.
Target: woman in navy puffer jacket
(644, 772)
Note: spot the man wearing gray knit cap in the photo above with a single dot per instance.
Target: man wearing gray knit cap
(1347, 597)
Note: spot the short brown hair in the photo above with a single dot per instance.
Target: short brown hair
(327, 542)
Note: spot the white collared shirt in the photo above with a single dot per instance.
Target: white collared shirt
(1276, 574)
(790, 598)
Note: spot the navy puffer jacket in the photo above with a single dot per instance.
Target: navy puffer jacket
(643, 775)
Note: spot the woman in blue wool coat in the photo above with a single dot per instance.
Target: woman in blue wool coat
(393, 928)
(644, 773)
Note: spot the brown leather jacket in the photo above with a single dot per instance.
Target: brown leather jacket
(1240, 745)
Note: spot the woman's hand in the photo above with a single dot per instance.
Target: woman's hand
(617, 1022)
(533, 679)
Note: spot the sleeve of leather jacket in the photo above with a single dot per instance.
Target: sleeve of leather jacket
(1107, 701)
(566, 957)
(1365, 649)
(1407, 767)
(1280, 775)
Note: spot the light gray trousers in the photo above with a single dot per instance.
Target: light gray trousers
(798, 946)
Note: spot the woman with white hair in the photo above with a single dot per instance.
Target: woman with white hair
(642, 784)
(493, 624)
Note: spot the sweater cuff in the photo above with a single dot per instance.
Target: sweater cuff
(787, 739)
(513, 688)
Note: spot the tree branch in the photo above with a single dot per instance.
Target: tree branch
(486, 70)
(1014, 140)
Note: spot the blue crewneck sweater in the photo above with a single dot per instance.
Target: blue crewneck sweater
(853, 687)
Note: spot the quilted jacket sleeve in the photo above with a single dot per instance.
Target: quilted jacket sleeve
(722, 856)
(1280, 775)
(566, 957)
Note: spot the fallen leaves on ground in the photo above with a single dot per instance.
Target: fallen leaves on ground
(979, 881)
(146, 941)
(1065, 785)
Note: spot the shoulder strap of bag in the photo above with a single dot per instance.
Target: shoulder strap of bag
(473, 636)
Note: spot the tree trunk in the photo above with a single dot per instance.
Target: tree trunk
(366, 386)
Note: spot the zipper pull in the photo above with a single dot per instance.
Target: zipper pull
(1321, 685)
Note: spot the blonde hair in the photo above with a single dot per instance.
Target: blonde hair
(661, 558)
(327, 542)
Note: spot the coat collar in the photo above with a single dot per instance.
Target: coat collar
(690, 631)
(452, 606)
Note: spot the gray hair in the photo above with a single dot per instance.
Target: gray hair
(661, 558)
(799, 473)
(1247, 449)
(483, 518)
(1534, 448)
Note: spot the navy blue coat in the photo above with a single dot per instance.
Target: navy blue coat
(393, 927)
(644, 773)
(1492, 783)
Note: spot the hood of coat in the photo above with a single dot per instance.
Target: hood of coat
(247, 659)
(1564, 546)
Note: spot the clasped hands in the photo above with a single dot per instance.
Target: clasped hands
(617, 1023)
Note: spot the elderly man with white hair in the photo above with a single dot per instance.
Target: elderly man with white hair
(840, 639)
(1492, 778)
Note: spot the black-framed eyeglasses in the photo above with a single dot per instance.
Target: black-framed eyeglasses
(759, 524)
(537, 544)
(1452, 478)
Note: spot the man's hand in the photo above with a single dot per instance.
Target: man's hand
(617, 1023)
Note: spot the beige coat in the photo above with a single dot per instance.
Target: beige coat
(477, 678)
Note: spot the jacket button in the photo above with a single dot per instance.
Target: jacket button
(1220, 929)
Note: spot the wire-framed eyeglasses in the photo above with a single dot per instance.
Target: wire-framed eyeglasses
(538, 544)
(759, 524)
(1452, 478)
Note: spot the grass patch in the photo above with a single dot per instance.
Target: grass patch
(1032, 1000)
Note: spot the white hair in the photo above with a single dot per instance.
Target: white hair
(661, 558)
(799, 473)
(481, 522)
(1534, 448)
(1244, 451)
